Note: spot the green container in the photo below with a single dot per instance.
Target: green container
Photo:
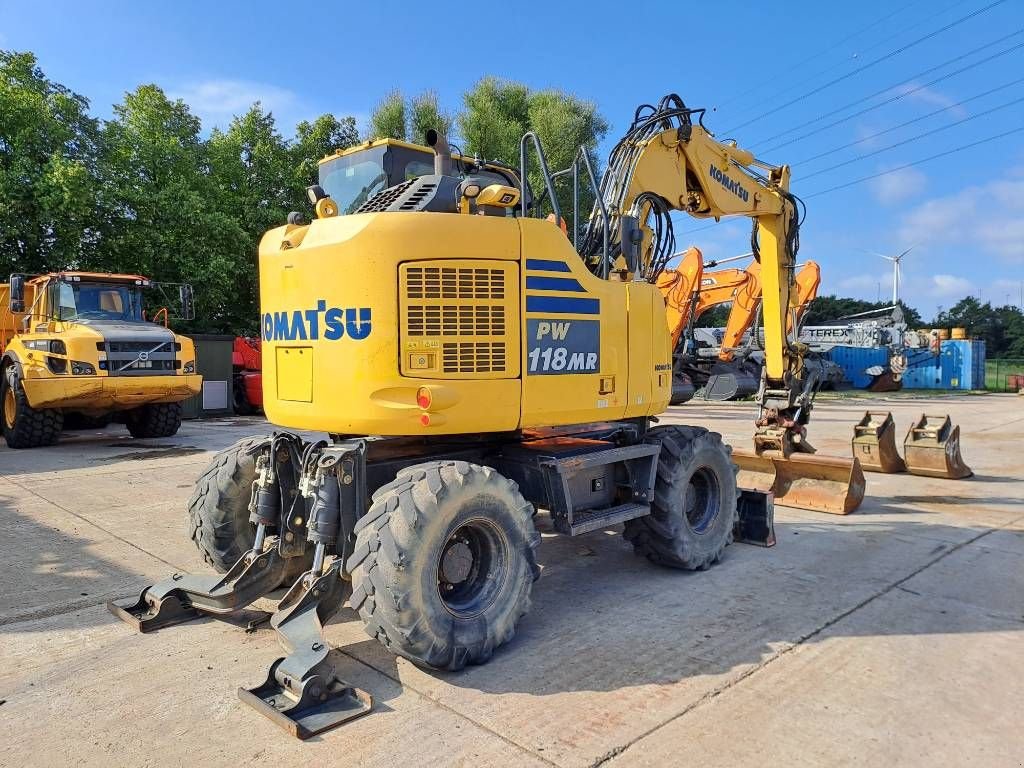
(213, 362)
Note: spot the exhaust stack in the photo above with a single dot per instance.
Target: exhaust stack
(442, 152)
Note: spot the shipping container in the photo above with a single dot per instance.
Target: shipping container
(856, 360)
(959, 365)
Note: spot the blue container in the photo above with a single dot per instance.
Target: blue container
(856, 360)
(959, 365)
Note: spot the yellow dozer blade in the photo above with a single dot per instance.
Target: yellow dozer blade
(804, 480)
(932, 448)
(874, 443)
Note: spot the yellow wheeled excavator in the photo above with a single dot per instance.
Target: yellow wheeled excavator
(470, 367)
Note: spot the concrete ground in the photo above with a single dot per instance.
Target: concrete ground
(894, 636)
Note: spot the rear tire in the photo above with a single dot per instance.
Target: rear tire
(23, 425)
(218, 510)
(694, 509)
(154, 420)
(444, 563)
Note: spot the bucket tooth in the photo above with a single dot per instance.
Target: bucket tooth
(806, 481)
(874, 443)
(932, 448)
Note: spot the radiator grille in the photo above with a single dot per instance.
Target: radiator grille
(456, 320)
(473, 357)
(454, 283)
(459, 321)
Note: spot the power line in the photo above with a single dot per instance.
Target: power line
(913, 138)
(915, 162)
(879, 60)
(899, 96)
(814, 57)
(908, 122)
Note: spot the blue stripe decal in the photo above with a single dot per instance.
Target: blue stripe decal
(563, 305)
(553, 284)
(547, 266)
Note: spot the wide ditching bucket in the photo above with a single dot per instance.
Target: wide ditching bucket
(932, 448)
(874, 443)
(803, 480)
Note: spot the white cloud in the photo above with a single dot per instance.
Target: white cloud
(217, 101)
(950, 285)
(930, 96)
(983, 220)
(898, 186)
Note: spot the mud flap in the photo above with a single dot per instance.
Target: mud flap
(932, 448)
(874, 443)
(803, 480)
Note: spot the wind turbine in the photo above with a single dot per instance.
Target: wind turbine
(895, 272)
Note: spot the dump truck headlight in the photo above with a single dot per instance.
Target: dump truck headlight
(79, 368)
(190, 367)
(56, 346)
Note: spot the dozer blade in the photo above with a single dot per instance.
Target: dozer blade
(932, 448)
(803, 480)
(874, 443)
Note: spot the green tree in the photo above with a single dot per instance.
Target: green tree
(388, 119)
(424, 114)
(497, 114)
(161, 216)
(1002, 328)
(48, 154)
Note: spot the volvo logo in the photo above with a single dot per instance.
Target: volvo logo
(143, 356)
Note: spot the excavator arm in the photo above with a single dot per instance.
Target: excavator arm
(666, 162)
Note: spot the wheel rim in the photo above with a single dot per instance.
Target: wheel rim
(472, 567)
(10, 407)
(703, 499)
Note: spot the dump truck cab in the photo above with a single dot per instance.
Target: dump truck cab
(81, 349)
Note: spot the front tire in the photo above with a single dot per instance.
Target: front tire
(23, 425)
(154, 420)
(444, 563)
(694, 510)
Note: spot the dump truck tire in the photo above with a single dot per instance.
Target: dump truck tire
(444, 563)
(218, 510)
(694, 509)
(23, 425)
(154, 420)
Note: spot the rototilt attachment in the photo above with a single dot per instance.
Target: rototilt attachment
(874, 443)
(304, 494)
(932, 448)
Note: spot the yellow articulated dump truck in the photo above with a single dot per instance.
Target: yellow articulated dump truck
(76, 349)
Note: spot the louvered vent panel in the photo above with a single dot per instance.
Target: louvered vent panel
(462, 318)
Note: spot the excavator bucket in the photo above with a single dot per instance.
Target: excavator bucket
(932, 448)
(874, 443)
(803, 480)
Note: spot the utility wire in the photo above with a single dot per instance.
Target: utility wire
(879, 60)
(897, 97)
(912, 138)
(813, 57)
(905, 124)
(915, 162)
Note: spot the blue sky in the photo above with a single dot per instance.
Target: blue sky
(771, 73)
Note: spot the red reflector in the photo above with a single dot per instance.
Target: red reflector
(423, 397)
(425, 419)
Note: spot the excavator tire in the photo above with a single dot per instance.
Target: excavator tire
(154, 420)
(694, 509)
(23, 425)
(218, 510)
(444, 563)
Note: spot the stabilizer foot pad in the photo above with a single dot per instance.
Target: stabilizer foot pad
(319, 708)
(150, 615)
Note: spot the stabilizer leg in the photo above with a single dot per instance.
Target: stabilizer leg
(303, 692)
(183, 598)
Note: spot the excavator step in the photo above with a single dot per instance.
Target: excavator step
(803, 480)
(932, 448)
(874, 443)
(587, 520)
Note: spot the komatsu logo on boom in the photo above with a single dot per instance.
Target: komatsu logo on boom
(311, 324)
(731, 184)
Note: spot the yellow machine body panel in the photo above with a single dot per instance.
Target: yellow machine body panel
(426, 323)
